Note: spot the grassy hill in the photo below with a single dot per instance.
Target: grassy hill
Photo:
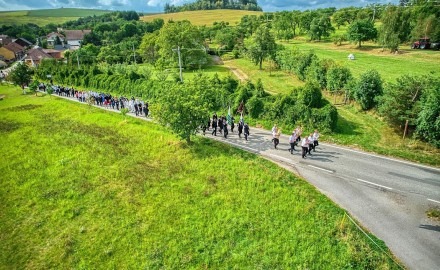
(42, 17)
(84, 188)
(204, 17)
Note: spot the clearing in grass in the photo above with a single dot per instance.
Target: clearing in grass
(85, 188)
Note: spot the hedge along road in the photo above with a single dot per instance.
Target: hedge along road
(389, 197)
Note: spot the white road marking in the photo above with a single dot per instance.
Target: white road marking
(282, 158)
(236, 144)
(382, 157)
(433, 201)
(322, 169)
(374, 184)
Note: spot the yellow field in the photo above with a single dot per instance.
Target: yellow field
(204, 17)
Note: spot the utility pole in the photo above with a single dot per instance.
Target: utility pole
(180, 62)
(77, 58)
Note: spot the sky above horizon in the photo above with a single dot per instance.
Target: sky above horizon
(157, 5)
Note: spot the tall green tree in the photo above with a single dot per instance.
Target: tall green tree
(400, 100)
(184, 107)
(21, 75)
(369, 89)
(320, 27)
(428, 121)
(261, 46)
(395, 27)
(361, 30)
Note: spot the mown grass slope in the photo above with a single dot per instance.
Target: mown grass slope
(85, 189)
(45, 16)
(205, 17)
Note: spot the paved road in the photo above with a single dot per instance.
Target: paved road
(389, 197)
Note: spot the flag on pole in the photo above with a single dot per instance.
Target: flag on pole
(229, 118)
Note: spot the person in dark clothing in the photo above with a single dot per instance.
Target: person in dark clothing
(225, 130)
(220, 124)
(209, 123)
(246, 131)
(214, 127)
(240, 128)
(136, 109)
(146, 109)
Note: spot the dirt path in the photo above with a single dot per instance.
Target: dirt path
(237, 72)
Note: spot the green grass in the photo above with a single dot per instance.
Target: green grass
(82, 188)
(274, 81)
(370, 56)
(45, 16)
(205, 17)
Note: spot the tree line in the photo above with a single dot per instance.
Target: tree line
(214, 4)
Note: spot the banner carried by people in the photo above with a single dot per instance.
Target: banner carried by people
(229, 117)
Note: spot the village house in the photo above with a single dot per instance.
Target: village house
(75, 37)
(55, 38)
(35, 55)
(11, 52)
(23, 42)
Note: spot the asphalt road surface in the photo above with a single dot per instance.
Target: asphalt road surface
(389, 197)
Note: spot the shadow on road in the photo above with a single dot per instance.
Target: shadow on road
(430, 227)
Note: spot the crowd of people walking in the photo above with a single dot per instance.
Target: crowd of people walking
(134, 105)
(218, 124)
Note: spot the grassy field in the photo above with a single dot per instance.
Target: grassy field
(45, 16)
(370, 56)
(205, 17)
(86, 189)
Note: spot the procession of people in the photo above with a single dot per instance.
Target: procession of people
(224, 125)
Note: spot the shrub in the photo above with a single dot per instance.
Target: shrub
(255, 107)
(368, 89)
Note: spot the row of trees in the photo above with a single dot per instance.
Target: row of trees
(214, 4)
(185, 105)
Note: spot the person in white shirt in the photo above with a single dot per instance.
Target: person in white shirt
(315, 139)
(292, 141)
(304, 145)
(310, 142)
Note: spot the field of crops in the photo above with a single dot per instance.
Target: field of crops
(205, 17)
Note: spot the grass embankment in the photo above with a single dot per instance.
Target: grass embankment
(84, 188)
(204, 17)
(43, 17)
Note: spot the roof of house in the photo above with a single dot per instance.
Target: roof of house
(15, 47)
(55, 34)
(24, 41)
(37, 54)
(76, 34)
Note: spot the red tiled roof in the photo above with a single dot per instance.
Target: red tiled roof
(14, 47)
(37, 54)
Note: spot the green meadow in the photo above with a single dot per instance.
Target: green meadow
(82, 188)
(43, 17)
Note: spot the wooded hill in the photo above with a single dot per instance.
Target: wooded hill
(214, 4)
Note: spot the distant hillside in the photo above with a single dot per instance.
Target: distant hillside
(214, 4)
(204, 17)
(42, 17)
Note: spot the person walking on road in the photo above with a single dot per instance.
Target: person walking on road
(310, 142)
(304, 146)
(292, 142)
(240, 129)
(214, 127)
(276, 139)
(225, 130)
(246, 131)
(315, 139)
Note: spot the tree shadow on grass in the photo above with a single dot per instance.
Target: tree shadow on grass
(346, 127)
